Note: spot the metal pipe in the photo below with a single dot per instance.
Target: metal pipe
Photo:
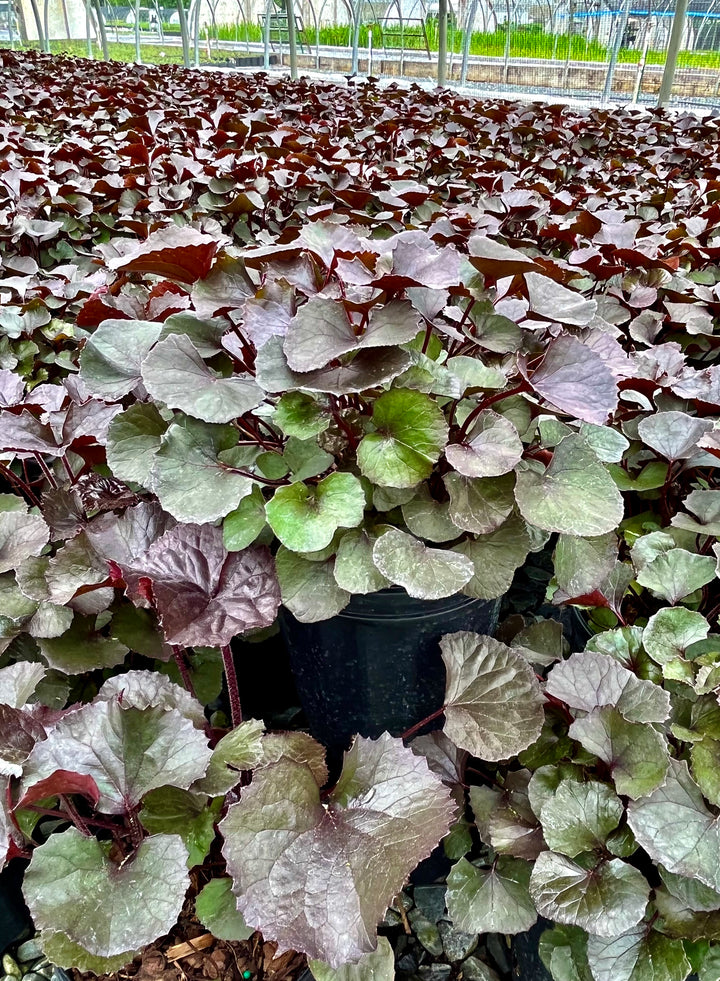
(678, 26)
(442, 42)
(266, 36)
(292, 40)
(138, 52)
(467, 33)
(617, 41)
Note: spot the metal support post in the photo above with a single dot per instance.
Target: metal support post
(442, 42)
(678, 26)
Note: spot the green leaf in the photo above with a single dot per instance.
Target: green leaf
(385, 814)
(704, 505)
(676, 574)
(21, 536)
(480, 505)
(190, 481)
(321, 331)
(241, 749)
(427, 518)
(358, 372)
(590, 680)
(636, 753)
(473, 374)
(693, 895)
(640, 954)
(243, 525)
(73, 887)
(575, 495)
(670, 632)
(170, 810)
(127, 751)
(18, 682)
(64, 952)
(505, 819)
(607, 443)
(580, 816)
(493, 702)
(652, 476)
(676, 828)
(563, 951)
(299, 414)
(82, 648)
(309, 589)
(174, 373)
(355, 570)
(557, 302)
(410, 433)
(494, 900)
(492, 447)
(304, 458)
(705, 758)
(134, 437)
(111, 358)
(541, 642)
(305, 518)
(217, 910)
(378, 965)
(205, 334)
(605, 900)
(710, 967)
(496, 557)
(425, 573)
(583, 564)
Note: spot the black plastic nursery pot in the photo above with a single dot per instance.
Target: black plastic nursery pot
(376, 666)
(15, 922)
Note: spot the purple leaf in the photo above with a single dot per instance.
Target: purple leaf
(204, 594)
(322, 881)
(576, 380)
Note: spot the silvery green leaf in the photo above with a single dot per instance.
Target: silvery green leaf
(425, 573)
(172, 811)
(18, 682)
(491, 448)
(496, 557)
(240, 749)
(605, 900)
(694, 895)
(479, 505)
(305, 459)
(309, 589)
(82, 647)
(640, 954)
(150, 689)
(636, 753)
(494, 900)
(204, 332)
(676, 574)
(493, 703)
(111, 358)
(366, 369)
(670, 632)
(541, 642)
(580, 816)
(73, 887)
(21, 536)
(590, 680)
(473, 374)
(557, 302)
(174, 373)
(673, 434)
(563, 951)
(506, 821)
(649, 547)
(704, 506)
(607, 443)
(127, 752)
(582, 564)
(575, 495)
(378, 965)
(355, 570)
(705, 760)
(191, 483)
(429, 519)
(134, 437)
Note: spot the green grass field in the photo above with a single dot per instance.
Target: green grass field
(524, 43)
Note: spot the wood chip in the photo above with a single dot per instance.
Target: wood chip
(179, 951)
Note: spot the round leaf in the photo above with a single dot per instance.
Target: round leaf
(670, 632)
(580, 816)
(493, 702)
(309, 589)
(575, 495)
(492, 448)
(134, 437)
(73, 887)
(495, 900)
(110, 361)
(174, 373)
(410, 433)
(305, 518)
(217, 910)
(605, 900)
(425, 573)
